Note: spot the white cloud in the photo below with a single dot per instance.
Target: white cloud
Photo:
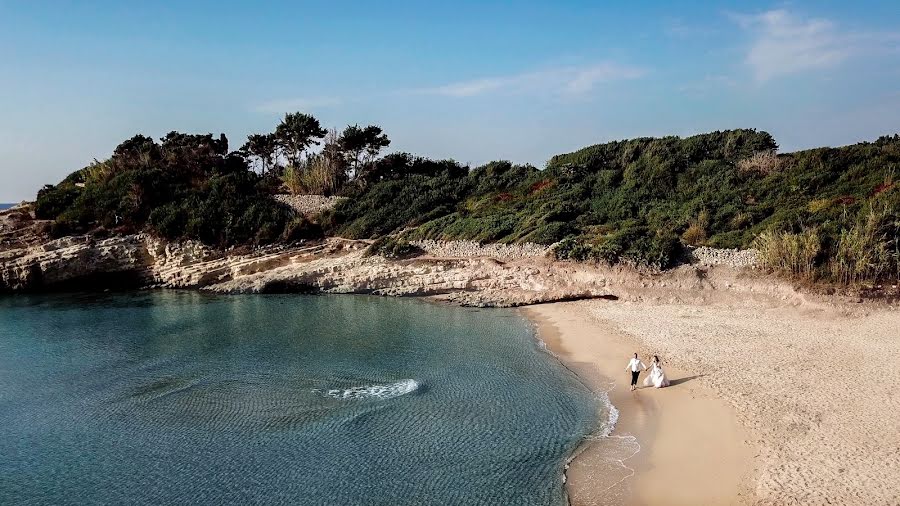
(572, 80)
(784, 43)
(297, 104)
(470, 88)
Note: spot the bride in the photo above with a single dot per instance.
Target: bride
(656, 377)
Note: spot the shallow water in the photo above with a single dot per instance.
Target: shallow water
(181, 397)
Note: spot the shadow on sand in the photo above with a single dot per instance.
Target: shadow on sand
(679, 381)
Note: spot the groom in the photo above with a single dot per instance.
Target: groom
(635, 366)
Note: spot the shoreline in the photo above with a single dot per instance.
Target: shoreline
(677, 445)
(739, 433)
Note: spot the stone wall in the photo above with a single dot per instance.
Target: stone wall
(719, 256)
(472, 249)
(308, 205)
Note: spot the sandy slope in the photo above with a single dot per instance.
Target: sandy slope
(816, 387)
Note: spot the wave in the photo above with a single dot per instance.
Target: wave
(380, 392)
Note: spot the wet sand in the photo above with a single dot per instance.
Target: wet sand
(676, 445)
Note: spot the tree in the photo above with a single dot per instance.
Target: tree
(138, 149)
(376, 140)
(297, 132)
(261, 147)
(193, 154)
(362, 145)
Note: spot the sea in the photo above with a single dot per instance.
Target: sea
(5, 206)
(182, 397)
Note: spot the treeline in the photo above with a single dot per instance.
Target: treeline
(824, 213)
(642, 200)
(193, 187)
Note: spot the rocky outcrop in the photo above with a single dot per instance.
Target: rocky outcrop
(19, 228)
(466, 281)
(68, 259)
(461, 272)
(332, 266)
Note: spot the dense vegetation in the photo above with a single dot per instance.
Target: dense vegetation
(822, 213)
(193, 187)
(392, 247)
(640, 200)
(186, 186)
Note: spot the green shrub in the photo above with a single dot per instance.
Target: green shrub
(632, 245)
(793, 253)
(616, 197)
(619, 201)
(574, 249)
(300, 228)
(867, 250)
(186, 187)
(53, 200)
(549, 233)
(393, 248)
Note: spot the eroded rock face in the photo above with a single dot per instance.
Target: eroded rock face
(332, 266)
(64, 260)
(455, 272)
(19, 228)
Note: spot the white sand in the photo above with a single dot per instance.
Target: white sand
(817, 388)
(679, 445)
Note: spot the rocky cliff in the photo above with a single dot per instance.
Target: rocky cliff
(462, 272)
(342, 266)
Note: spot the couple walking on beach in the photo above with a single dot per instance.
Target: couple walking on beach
(657, 377)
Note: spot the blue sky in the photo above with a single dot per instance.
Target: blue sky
(473, 81)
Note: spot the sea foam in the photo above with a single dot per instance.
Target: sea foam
(380, 392)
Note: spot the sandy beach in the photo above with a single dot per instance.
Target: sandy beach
(769, 404)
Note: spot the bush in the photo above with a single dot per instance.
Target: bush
(696, 231)
(317, 174)
(694, 235)
(393, 248)
(619, 201)
(186, 187)
(762, 162)
(293, 180)
(53, 201)
(549, 233)
(300, 228)
(793, 253)
(574, 249)
(613, 198)
(867, 250)
(632, 245)
(393, 204)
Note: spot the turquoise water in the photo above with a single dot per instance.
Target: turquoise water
(180, 397)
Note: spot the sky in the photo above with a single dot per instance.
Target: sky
(473, 81)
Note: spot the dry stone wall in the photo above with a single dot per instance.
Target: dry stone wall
(739, 258)
(309, 205)
(472, 249)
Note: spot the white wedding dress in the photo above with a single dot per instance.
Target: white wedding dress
(657, 377)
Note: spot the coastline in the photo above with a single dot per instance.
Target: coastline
(795, 367)
(678, 445)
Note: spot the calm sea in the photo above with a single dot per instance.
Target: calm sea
(181, 397)
(5, 206)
